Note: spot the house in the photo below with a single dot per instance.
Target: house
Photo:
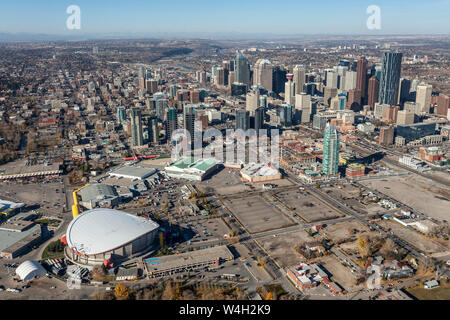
(314, 246)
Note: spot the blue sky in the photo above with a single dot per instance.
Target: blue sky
(230, 16)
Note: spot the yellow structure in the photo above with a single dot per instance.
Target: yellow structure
(75, 207)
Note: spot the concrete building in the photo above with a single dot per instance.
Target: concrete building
(405, 118)
(303, 104)
(386, 136)
(299, 78)
(190, 261)
(423, 97)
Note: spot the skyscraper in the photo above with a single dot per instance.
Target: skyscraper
(330, 163)
(279, 79)
(263, 74)
(423, 96)
(121, 114)
(390, 78)
(242, 120)
(403, 91)
(171, 123)
(189, 121)
(252, 101)
(242, 70)
(136, 126)
(361, 71)
(153, 132)
(259, 119)
(285, 112)
(303, 104)
(299, 78)
(372, 96)
(289, 91)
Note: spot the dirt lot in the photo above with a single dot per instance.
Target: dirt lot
(307, 207)
(413, 237)
(343, 230)
(281, 247)
(257, 215)
(349, 194)
(419, 193)
(342, 275)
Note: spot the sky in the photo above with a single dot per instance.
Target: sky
(178, 17)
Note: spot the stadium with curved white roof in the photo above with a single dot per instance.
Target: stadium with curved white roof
(100, 234)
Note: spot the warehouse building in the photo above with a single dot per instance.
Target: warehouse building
(17, 238)
(132, 172)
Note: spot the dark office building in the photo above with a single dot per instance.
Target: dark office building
(259, 119)
(189, 121)
(171, 123)
(238, 89)
(405, 86)
(278, 79)
(390, 78)
(416, 131)
(242, 120)
(284, 113)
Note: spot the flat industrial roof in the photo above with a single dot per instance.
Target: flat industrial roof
(132, 172)
(8, 238)
(101, 230)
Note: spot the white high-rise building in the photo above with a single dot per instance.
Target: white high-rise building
(263, 74)
(332, 79)
(252, 101)
(350, 80)
(304, 104)
(423, 96)
(299, 78)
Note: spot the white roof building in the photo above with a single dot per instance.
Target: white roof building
(102, 230)
(260, 172)
(29, 270)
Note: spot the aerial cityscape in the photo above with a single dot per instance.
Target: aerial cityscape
(202, 167)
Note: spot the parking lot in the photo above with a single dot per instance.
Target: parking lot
(257, 215)
(307, 207)
(226, 182)
(50, 195)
